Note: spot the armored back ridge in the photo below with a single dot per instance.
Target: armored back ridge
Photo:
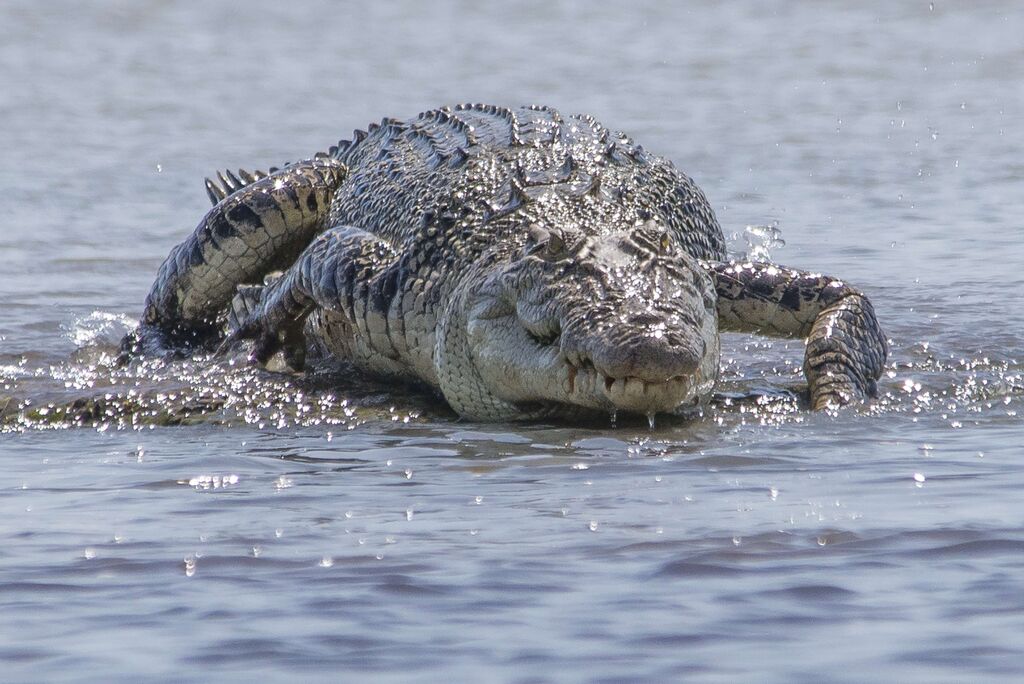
(522, 263)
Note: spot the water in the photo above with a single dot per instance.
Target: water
(213, 522)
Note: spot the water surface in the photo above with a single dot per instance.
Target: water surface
(199, 521)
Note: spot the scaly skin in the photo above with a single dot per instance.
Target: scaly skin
(520, 262)
(246, 235)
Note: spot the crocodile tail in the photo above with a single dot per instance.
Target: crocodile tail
(227, 183)
(259, 227)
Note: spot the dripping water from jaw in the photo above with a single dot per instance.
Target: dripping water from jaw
(650, 420)
(614, 416)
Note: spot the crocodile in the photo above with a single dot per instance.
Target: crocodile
(520, 262)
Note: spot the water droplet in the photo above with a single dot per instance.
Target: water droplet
(919, 479)
(650, 420)
(256, 551)
(613, 416)
(773, 493)
(89, 553)
(592, 526)
(408, 514)
(408, 473)
(190, 566)
(326, 562)
(761, 239)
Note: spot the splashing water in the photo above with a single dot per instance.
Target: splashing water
(98, 327)
(92, 390)
(761, 239)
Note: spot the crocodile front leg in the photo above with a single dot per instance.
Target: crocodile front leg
(345, 272)
(846, 348)
(256, 229)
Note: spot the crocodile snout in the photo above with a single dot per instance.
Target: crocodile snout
(651, 358)
(645, 351)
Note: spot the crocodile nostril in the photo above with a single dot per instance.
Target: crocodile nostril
(651, 358)
(645, 318)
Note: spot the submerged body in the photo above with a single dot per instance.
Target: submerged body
(520, 262)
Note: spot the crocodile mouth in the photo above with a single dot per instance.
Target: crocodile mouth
(587, 384)
(614, 385)
(538, 361)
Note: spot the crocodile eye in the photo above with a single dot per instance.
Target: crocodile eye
(710, 302)
(547, 244)
(555, 245)
(537, 238)
(664, 243)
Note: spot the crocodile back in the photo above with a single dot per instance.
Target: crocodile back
(495, 170)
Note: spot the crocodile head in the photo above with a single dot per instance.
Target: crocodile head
(621, 321)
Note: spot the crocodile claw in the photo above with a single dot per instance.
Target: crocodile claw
(266, 343)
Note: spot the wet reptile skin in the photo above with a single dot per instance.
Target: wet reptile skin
(521, 262)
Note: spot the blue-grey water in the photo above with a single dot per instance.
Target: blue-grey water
(194, 521)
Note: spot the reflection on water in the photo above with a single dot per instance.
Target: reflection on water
(195, 519)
